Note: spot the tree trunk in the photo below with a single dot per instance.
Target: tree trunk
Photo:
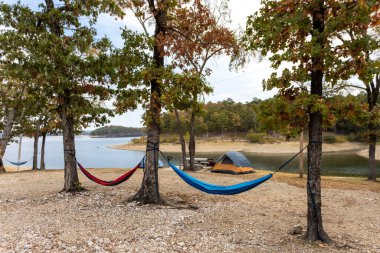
(181, 137)
(192, 142)
(42, 162)
(71, 175)
(149, 191)
(372, 97)
(19, 150)
(7, 133)
(315, 229)
(301, 170)
(35, 146)
(2, 169)
(372, 158)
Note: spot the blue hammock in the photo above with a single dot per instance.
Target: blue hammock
(17, 163)
(218, 189)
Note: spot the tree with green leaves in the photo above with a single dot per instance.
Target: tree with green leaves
(14, 99)
(302, 34)
(151, 76)
(178, 98)
(68, 63)
(12, 111)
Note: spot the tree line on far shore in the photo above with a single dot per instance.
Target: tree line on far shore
(117, 131)
(258, 120)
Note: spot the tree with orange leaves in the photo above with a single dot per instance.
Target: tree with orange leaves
(196, 33)
(359, 46)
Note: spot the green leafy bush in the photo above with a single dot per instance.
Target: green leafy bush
(353, 137)
(332, 138)
(187, 137)
(255, 137)
(169, 139)
(140, 140)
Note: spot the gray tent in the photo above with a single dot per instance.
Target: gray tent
(233, 162)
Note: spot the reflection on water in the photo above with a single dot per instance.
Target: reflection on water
(94, 153)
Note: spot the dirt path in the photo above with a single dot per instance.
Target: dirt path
(36, 218)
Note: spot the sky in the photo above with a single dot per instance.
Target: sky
(241, 86)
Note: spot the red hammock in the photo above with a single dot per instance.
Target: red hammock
(117, 181)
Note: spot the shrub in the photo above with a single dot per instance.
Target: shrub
(332, 138)
(255, 137)
(169, 139)
(353, 137)
(187, 137)
(140, 140)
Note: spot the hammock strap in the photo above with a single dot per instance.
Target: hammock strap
(72, 153)
(155, 147)
(288, 161)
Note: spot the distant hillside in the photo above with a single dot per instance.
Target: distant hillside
(117, 131)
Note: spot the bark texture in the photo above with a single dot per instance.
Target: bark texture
(19, 149)
(181, 138)
(35, 147)
(301, 169)
(71, 174)
(149, 191)
(192, 142)
(315, 229)
(42, 160)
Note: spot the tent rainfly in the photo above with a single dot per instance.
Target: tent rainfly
(233, 162)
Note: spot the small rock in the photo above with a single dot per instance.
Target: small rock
(296, 230)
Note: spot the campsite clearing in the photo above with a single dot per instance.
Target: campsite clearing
(36, 218)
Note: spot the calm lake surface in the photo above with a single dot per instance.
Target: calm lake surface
(90, 152)
(333, 164)
(94, 153)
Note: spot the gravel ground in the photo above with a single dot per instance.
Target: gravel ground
(35, 217)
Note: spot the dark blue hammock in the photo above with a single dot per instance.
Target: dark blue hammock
(17, 163)
(218, 189)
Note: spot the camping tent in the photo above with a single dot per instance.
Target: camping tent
(233, 162)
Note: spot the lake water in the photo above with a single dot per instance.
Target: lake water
(334, 164)
(90, 152)
(94, 153)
